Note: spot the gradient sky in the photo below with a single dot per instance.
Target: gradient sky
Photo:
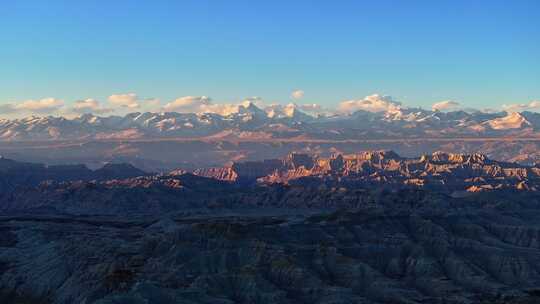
(480, 53)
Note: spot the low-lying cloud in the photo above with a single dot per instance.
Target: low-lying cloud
(40, 106)
(45, 105)
(189, 104)
(371, 103)
(121, 104)
(90, 106)
(132, 101)
(520, 107)
(204, 104)
(447, 105)
(297, 94)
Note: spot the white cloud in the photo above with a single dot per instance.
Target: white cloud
(221, 109)
(446, 105)
(132, 102)
(204, 104)
(28, 107)
(520, 107)
(6, 109)
(297, 94)
(314, 109)
(45, 105)
(129, 100)
(120, 104)
(89, 106)
(188, 104)
(372, 103)
(254, 100)
(83, 105)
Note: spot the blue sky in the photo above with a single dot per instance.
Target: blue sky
(480, 53)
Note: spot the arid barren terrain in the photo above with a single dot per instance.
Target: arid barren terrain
(372, 227)
(270, 152)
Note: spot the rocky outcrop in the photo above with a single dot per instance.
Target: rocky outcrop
(328, 181)
(224, 174)
(254, 170)
(439, 171)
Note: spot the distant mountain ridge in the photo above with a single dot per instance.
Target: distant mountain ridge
(274, 122)
(14, 174)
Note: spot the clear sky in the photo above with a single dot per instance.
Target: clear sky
(478, 52)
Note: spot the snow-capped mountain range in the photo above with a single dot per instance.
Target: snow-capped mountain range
(274, 122)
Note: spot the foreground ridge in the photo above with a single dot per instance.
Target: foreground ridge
(391, 249)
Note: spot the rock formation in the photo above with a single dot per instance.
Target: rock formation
(441, 171)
